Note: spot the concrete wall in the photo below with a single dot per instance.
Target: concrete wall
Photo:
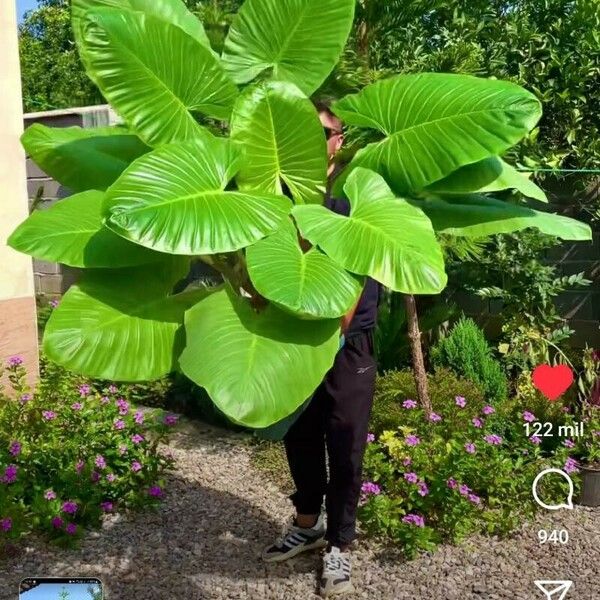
(18, 331)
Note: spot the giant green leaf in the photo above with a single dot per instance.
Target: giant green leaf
(174, 200)
(291, 40)
(435, 123)
(71, 232)
(121, 324)
(154, 74)
(489, 175)
(309, 284)
(384, 237)
(481, 216)
(257, 367)
(284, 142)
(171, 11)
(82, 159)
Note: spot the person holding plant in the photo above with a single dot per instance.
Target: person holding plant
(336, 419)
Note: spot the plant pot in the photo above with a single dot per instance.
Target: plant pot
(590, 489)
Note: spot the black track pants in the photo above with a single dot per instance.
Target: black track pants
(336, 417)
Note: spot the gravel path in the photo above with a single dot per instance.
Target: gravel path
(219, 512)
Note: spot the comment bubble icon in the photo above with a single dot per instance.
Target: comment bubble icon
(569, 503)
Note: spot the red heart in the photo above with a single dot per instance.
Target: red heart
(552, 381)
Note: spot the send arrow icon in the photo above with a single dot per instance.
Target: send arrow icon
(554, 590)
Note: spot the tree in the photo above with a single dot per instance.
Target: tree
(163, 191)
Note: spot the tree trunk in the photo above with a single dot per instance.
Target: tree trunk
(414, 335)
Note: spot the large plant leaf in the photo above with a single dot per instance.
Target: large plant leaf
(294, 40)
(481, 216)
(82, 159)
(257, 367)
(174, 200)
(284, 142)
(489, 175)
(435, 123)
(171, 11)
(309, 284)
(121, 324)
(154, 74)
(384, 237)
(71, 232)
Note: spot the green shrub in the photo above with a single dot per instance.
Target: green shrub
(394, 387)
(69, 453)
(466, 352)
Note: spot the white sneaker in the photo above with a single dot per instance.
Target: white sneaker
(336, 573)
(295, 540)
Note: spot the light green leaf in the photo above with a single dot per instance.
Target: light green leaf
(154, 74)
(71, 232)
(82, 159)
(481, 216)
(299, 41)
(384, 237)
(257, 367)
(174, 200)
(171, 11)
(309, 284)
(435, 123)
(284, 142)
(489, 175)
(121, 324)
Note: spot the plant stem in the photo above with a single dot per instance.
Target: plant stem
(414, 335)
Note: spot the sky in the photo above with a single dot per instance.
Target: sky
(22, 6)
(49, 591)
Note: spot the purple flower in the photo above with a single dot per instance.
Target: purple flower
(529, 417)
(25, 398)
(474, 499)
(137, 438)
(79, 466)
(84, 390)
(569, 443)
(50, 495)
(407, 461)
(460, 401)
(435, 418)
(71, 528)
(10, 474)
(95, 476)
(104, 400)
(596, 433)
(54, 303)
(139, 419)
(76, 406)
(48, 415)
(100, 462)
(155, 491)
(171, 419)
(570, 466)
(135, 466)
(493, 439)
(412, 440)
(423, 489)
(464, 490)
(122, 450)
(6, 524)
(488, 410)
(470, 448)
(119, 424)
(370, 438)
(452, 483)
(15, 361)
(57, 522)
(113, 389)
(15, 448)
(123, 406)
(412, 519)
(411, 477)
(535, 439)
(106, 506)
(566, 409)
(477, 422)
(409, 404)
(69, 507)
(369, 488)
(111, 477)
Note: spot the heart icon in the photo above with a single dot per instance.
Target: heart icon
(552, 381)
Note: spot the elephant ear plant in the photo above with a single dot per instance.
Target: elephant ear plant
(162, 191)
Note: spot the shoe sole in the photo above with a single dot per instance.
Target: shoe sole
(320, 543)
(346, 588)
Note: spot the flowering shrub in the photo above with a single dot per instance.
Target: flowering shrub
(463, 469)
(69, 454)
